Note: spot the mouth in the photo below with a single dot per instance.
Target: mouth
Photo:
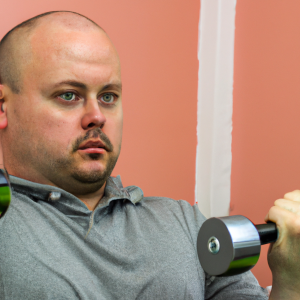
(93, 147)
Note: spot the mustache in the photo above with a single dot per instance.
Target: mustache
(94, 133)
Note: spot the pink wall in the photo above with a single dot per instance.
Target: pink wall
(266, 109)
(157, 42)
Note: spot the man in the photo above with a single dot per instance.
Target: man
(73, 232)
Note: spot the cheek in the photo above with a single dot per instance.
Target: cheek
(59, 133)
(55, 130)
(33, 122)
(113, 130)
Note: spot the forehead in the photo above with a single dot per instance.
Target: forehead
(59, 43)
(63, 50)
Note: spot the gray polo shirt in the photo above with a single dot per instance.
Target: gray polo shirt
(129, 247)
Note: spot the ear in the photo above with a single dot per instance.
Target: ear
(3, 108)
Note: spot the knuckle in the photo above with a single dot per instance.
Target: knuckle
(288, 195)
(295, 195)
(272, 210)
(279, 202)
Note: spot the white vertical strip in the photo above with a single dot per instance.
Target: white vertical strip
(215, 54)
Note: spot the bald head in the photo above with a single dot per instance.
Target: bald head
(16, 45)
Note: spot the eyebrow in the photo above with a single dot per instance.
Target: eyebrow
(114, 86)
(72, 83)
(117, 86)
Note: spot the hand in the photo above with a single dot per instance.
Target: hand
(284, 255)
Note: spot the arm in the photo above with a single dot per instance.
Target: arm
(243, 286)
(284, 255)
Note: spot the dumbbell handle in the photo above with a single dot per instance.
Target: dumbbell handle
(268, 233)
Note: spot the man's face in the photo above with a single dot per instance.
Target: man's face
(65, 126)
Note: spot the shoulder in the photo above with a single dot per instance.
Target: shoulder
(176, 212)
(180, 207)
(169, 204)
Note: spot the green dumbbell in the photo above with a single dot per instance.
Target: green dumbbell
(5, 194)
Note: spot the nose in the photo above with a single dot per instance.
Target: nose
(93, 117)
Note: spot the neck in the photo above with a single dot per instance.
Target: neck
(92, 200)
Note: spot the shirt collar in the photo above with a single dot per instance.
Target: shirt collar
(114, 190)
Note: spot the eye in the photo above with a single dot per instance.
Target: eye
(68, 96)
(108, 98)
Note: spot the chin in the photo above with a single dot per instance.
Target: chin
(91, 177)
(95, 171)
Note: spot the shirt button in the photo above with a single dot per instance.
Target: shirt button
(54, 196)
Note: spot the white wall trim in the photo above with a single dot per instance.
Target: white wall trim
(215, 84)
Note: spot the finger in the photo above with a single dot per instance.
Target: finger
(267, 217)
(289, 205)
(275, 215)
(285, 220)
(278, 214)
(294, 196)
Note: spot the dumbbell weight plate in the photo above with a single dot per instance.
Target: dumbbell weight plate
(238, 250)
(5, 195)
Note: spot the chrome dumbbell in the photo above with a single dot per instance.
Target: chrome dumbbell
(231, 245)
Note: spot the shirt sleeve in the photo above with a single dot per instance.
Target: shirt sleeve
(243, 286)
